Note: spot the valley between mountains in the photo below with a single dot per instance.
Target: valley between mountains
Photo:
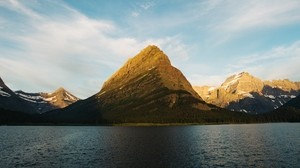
(148, 89)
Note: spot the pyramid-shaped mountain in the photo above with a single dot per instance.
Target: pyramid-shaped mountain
(146, 89)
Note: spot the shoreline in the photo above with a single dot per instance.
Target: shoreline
(142, 124)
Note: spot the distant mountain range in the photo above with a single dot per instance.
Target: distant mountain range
(32, 103)
(148, 89)
(246, 93)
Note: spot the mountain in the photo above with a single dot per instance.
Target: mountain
(294, 103)
(289, 112)
(10, 101)
(44, 102)
(146, 89)
(33, 103)
(246, 93)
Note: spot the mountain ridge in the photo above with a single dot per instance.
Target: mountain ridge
(148, 89)
(44, 102)
(246, 93)
(34, 102)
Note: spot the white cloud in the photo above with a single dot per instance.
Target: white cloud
(19, 7)
(135, 14)
(141, 7)
(281, 62)
(71, 50)
(147, 5)
(278, 63)
(255, 14)
(228, 20)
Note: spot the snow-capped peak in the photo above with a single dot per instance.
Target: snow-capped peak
(232, 80)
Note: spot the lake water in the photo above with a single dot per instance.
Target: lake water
(248, 145)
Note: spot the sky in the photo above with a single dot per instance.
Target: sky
(78, 45)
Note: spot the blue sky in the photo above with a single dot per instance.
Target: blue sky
(46, 44)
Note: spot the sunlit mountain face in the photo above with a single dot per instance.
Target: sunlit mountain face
(246, 93)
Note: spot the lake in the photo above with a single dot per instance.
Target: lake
(246, 145)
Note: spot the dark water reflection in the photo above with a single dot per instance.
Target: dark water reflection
(253, 145)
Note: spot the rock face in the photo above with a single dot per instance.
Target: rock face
(145, 89)
(285, 85)
(43, 102)
(246, 93)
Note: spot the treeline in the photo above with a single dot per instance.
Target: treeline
(175, 116)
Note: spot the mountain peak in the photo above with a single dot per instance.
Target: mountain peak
(149, 58)
(151, 55)
(243, 82)
(60, 89)
(152, 47)
(244, 73)
(60, 98)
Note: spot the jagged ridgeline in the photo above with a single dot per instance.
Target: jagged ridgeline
(246, 93)
(146, 89)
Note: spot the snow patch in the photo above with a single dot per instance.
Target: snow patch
(32, 100)
(249, 95)
(2, 93)
(270, 96)
(235, 79)
(284, 96)
(292, 96)
(50, 98)
(29, 96)
(246, 94)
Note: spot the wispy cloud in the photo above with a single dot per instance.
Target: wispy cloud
(257, 14)
(69, 50)
(281, 62)
(277, 63)
(47, 44)
(141, 7)
(230, 19)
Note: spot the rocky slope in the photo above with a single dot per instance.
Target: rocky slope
(10, 101)
(246, 93)
(44, 102)
(146, 89)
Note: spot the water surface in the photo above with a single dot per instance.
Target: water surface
(248, 145)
